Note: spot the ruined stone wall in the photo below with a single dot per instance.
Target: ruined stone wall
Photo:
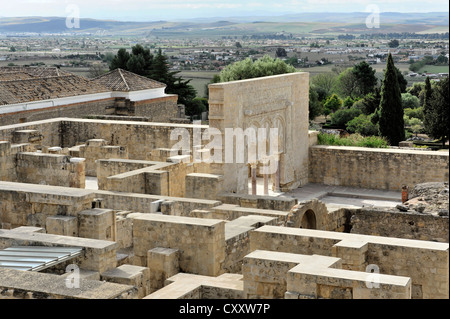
(159, 110)
(76, 110)
(111, 167)
(201, 242)
(426, 262)
(49, 130)
(392, 223)
(23, 204)
(50, 169)
(387, 169)
(142, 203)
(141, 138)
(266, 102)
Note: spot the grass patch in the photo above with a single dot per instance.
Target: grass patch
(352, 140)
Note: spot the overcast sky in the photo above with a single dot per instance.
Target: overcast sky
(150, 10)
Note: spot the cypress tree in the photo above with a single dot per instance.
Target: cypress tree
(427, 111)
(391, 110)
(437, 124)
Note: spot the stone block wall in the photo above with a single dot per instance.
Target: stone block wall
(201, 242)
(387, 169)
(50, 169)
(97, 223)
(111, 167)
(163, 263)
(8, 154)
(266, 102)
(48, 131)
(130, 275)
(177, 206)
(95, 149)
(23, 204)
(18, 284)
(159, 110)
(425, 262)
(141, 138)
(205, 186)
(392, 223)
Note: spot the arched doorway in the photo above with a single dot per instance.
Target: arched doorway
(308, 220)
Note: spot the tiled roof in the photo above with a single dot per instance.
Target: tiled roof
(39, 89)
(14, 76)
(37, 72)
(125, 81)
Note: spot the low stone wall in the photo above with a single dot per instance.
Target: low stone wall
(387, 169)
(257, 201)
(50, 169)
(18, 284)
(142, 203)
(393, 256)
(411, 225)
(190, 286)
(201, 242)
(8, 154)
(47, 129)
(23, 204)
(159, 110)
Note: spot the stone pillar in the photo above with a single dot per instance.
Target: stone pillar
(266, 178)
(253, 173)
(277, 174)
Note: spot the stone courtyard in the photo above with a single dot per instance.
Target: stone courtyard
(151, 222)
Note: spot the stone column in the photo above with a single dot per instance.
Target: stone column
(277, 174)
(266, 177)
(253, 173)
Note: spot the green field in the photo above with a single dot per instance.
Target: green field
(434, 69)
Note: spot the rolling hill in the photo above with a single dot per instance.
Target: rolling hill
(303, 23)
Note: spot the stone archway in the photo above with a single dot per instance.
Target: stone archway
(308, 220)
(311, 214)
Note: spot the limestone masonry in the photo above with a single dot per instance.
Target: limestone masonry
(95, 168)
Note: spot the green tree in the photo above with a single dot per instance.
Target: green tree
(120, 60)
(333, 103)
(369, 103)
(402, 82)
(391, 111)
(346, 84)
(365, 77)
(410, 101)
(348, 102)
(437, 114)
(343, 116)
(136, 64)
(247, 69)
(393, 43)
(363, 125)
(315, 106)
(325, 82)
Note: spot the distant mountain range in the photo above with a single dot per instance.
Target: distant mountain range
(303, 22)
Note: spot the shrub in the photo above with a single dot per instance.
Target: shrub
(343, 116)
(352, 140)
(414, 113)
(410, 101)
(362, 125)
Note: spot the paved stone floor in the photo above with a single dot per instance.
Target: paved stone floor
(338, 196)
